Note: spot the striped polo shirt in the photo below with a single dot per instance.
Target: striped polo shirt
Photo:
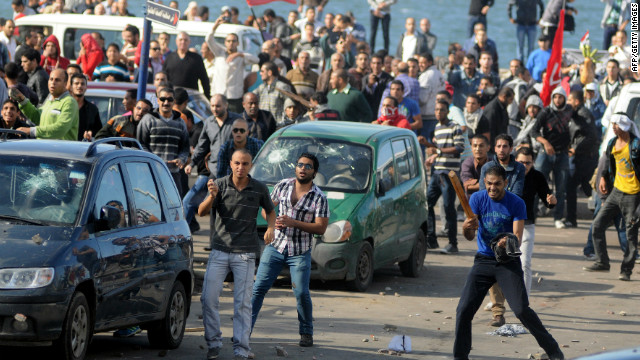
(448, 135)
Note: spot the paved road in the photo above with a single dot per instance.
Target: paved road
(582, 310)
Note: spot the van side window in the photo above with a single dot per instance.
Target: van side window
(384, 166)
(411, 155)
(72, 38)
(402, 163)
(111, 192)
(145, 193)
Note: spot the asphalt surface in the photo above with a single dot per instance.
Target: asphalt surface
(586, 312)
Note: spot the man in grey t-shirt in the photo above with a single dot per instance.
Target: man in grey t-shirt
(236, 199)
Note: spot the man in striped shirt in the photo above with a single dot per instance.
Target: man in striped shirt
(444, 156)
(304, 212)
(165, 134)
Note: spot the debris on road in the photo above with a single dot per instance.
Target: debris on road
(510, 330)
(280, 351)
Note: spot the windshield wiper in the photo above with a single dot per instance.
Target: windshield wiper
(17, 218)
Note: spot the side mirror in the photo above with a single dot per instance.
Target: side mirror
(109, 218)
(380, 188)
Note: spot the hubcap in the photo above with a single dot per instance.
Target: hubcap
(79, 327)
(176, 315)
(363, 266)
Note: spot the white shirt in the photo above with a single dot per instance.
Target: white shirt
(229, 76)
(11, 45)
(301, 23)
(431, 81)
(409, 46)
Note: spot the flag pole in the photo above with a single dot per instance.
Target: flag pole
(255, 19)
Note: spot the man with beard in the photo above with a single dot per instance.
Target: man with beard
(261, 122)
(239, 140)
(292, 241)
(125, 125)
(498, 212)
(477, 123)
(89, 115)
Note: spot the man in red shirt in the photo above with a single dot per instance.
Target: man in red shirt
(390, 115)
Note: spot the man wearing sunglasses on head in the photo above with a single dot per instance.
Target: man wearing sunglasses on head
(163, 133)
(303, 212)
(239, 140)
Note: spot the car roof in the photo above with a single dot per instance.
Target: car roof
(342, 130)
(68, 150)
(90, 21)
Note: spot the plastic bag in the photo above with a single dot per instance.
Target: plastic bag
(400, 343)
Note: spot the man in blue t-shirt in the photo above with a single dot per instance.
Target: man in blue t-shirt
(496, 211)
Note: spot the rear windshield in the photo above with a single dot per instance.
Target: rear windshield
(42, 190)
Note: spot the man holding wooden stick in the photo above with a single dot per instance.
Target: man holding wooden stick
(498, 214)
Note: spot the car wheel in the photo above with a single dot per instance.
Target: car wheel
(415, 263)
(364, 269)
(76, 329)
(168, 332)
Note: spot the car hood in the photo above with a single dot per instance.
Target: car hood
(32, 246)
(341, 205)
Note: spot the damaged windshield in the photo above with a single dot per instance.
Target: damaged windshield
(344, 166)
(41, 190)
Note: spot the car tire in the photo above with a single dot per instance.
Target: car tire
(168, 332)
(415, 263)
(364, 269)
(76, 330)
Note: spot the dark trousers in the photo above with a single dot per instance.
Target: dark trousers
(441, 185)
(550, 31)
(177, 178)
(626, 204)
(609, 31)
(485, 272)
(584, 167)
(386, 20)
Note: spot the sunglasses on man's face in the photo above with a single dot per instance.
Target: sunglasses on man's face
(238, 130)
(304, 166)
(163, 99)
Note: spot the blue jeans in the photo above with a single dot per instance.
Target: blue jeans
(473, 19)
(439, 184)
(530, 31)
(243, 266)
(373, 21)
(194, 197)
(618, 221)
(271, 264)
(559, 164)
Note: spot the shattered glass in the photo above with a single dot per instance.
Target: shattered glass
(41, 189)
(510, 330)
(344, 166)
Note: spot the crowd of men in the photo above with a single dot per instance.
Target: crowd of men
(491, 130)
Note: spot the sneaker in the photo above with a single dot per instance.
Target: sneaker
(213, 353)
(306, 340)
(128, 332)
(624, 277)
(560, 224)
(571, 224)
(596, 267)
(488, 306)
(449, 249)
(590, 256)
(497, 321)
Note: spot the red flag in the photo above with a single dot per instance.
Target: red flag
(262, 2)
(553, 77)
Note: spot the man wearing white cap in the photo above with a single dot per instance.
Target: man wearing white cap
(593, 102)
(621, 180)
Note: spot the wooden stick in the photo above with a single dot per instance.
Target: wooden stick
(462, 196)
